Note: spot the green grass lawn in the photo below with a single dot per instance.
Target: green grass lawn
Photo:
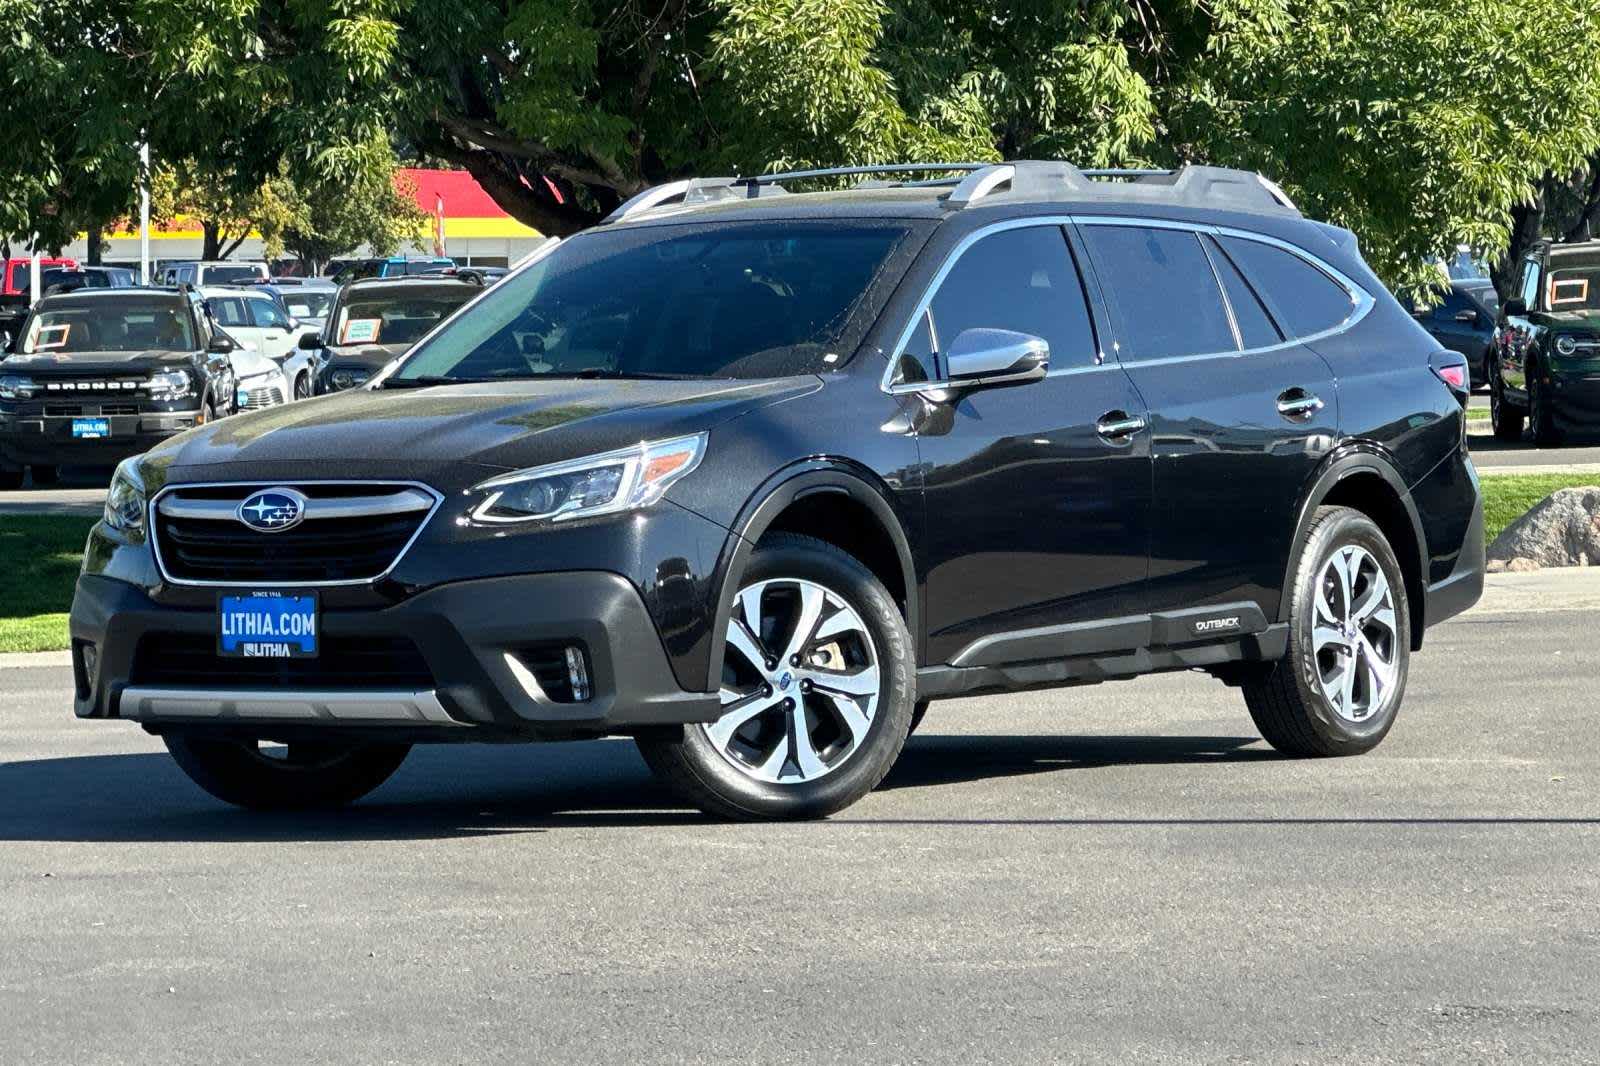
(1477, 414)
(39, 557)
(1507, 497)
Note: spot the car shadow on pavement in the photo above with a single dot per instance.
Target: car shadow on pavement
(450, 792)
(453, 791)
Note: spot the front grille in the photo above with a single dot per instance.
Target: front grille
(62, 410)
(255, 399)
(56, 387)
(351, 533)
(188, 660)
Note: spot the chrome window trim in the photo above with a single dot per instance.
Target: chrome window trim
(1361, 301)
(256, 486)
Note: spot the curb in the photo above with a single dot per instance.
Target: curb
(33, 660)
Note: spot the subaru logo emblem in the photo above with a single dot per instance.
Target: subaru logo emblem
(272, 510)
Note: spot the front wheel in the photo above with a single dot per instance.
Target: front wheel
(10, 478)
(1338, 689)
(1541, 417)
(1506, 420)
(45, 476)
(816, 691)
(302, 387)
(294, 776)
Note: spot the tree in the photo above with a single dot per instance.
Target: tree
(316, 219)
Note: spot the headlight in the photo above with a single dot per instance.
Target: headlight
(125, 500)
(594, 485)
(349, 379)
(15, 387)
(171, 384)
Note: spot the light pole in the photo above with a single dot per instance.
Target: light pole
(144, 212)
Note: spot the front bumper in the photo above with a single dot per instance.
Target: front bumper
(47, 440)
(1575, 400)
(472, 637)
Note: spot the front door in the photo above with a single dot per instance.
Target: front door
(1241, 415)
(277, 337)
(1037, 495)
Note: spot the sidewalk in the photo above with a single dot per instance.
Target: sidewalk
(1567, 589)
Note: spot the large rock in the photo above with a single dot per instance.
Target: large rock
(1563, 529)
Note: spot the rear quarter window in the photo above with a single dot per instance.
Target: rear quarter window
(1303, 299)
(1163, 291)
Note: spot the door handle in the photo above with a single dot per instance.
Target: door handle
(1118, 425)
(1298, 404)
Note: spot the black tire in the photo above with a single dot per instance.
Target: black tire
(1506, 419)
(686, 759)
(1541, 419)
(208, 412)
(310, 776)
(44, 476)
(1288, 702)
(10, 478)
(918, 713)
(302, 387)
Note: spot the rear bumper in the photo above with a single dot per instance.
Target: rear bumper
(472, 637)
(47, 440)
(1464, 586)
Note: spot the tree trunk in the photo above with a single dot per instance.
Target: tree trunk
(1527, 223)
(213, 241)
(97, 247)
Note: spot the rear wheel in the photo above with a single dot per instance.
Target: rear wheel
(816, 691)
(302, 387)
(1507, 420)
(1338, 689)
(248, 773)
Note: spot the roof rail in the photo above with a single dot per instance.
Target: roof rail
(845, 172)
(1193, 185)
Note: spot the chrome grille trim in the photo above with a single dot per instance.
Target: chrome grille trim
(407, 501)
(159, 501)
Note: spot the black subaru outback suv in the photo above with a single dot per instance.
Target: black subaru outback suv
(751, 475)
(96, 375)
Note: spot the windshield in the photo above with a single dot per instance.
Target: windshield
(397, 314)
(232, 275)
(739, 300)
(308, 303)
(1575, 282)
(109, 326)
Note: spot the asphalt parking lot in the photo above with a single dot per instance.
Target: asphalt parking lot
(1123, 873)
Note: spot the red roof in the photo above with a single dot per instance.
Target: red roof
(463, 196)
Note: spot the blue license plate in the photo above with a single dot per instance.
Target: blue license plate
(91, 428)
(267, 625)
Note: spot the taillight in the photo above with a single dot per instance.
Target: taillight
(1451, 368)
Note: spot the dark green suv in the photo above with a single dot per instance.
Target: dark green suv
(1546, 365)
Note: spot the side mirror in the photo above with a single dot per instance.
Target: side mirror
(979, 357)
(1516, 307)
(309, 342)
(1469, 316)
(7, 342)
(221, 344)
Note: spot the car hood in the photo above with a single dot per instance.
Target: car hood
(452, 435)
(1582, 321)
(247, 363)
(92, 362)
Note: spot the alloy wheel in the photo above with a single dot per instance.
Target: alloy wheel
(801, 682)
(1354, 635)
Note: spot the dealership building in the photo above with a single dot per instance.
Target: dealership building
(476, 231)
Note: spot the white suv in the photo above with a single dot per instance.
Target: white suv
(215, 273)
(271, 366)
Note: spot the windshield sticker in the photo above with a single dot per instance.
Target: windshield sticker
(361, 331)
(1568, 291)
(52, 337)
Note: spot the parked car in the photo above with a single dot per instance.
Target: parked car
(225, 272)
(15, 283)
(66, 279)
(97, 375)
(373, 321)
(751, 476)
(1546, 369)
(1464, 321)
(308, 302)
(271, 366)
(394, 266)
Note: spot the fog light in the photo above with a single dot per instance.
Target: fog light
(577, 674)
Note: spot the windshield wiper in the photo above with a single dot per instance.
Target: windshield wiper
(428, 381)
(598, 373)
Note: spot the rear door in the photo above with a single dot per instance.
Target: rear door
(1241, 414)
(271, 325)
(1037, 495)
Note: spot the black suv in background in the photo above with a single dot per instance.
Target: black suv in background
(1546, 366)
(97, 375)
(751, 475)
(373, 321)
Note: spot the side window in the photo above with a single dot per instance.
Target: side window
(228, 311)
(1303, 299)
(1166, 297)
(1530, 284)
(1023, 280)
(1255, 325)
(265, 313)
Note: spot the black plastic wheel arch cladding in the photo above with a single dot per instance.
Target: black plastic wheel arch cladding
(1354, 460)
(813, 478)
